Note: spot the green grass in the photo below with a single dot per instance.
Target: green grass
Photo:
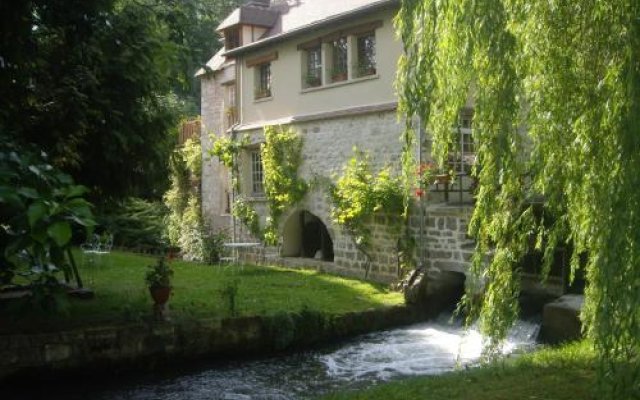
(561, 373)
(121, 294)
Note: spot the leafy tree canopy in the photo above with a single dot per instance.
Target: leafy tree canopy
(568, 74)
(99, 84)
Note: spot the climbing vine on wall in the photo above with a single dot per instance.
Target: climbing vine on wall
(281, 158)
(227, 150)
(185, 227)
(359, 194)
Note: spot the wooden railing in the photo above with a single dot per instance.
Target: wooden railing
(188, 130)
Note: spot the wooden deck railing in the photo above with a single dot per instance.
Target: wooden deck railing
(188, 130)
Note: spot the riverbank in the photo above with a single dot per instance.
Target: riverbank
(215, 312)
(560, 373)
(200, 291)
(121, 348)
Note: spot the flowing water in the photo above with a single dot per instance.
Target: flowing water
(422, 349)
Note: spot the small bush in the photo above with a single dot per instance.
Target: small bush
(135, 223)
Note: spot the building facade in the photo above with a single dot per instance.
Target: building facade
(326, 69)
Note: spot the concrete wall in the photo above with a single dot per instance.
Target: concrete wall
(290, 99)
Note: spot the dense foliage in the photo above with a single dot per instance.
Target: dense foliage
(281, 158)
(569, 72)
(135, 223)
(185, 226)
(39, 208)
(100, 84)
(359, 194)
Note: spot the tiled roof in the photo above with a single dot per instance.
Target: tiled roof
(298, 13)
(216, 63)
(298, 16)
(250, 15)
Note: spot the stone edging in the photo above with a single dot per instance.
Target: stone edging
(127, 347)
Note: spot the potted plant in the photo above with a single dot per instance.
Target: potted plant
(159, 282)
(366, 70)
(313, 80)
(339, 74)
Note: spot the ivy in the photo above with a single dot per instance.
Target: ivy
(359, 194)
(227, 149)
(244, 211)
(281, 158)
(185, 226)
(570, 73)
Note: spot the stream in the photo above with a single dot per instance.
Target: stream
(422, 349)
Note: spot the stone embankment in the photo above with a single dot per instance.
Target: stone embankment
(148, 345)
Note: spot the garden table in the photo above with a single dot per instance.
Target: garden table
(236, 246)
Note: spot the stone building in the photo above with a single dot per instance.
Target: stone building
(326, 68)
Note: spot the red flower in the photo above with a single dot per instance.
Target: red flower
(419, 192)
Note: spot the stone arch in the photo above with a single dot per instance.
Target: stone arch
(305, 235)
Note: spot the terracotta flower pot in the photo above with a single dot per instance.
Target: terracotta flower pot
(160, 294)
(442, 178)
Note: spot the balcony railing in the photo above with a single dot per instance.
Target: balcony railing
(188, 130)
(458, 186)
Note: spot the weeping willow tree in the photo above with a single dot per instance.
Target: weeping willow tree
(556, 86)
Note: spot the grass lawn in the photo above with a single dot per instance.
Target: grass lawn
(121, 294)
(562, 373)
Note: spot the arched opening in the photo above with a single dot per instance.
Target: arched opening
(305, 236)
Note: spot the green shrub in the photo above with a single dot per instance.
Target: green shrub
(135, 223)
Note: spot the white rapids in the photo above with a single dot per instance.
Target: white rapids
(424, 349)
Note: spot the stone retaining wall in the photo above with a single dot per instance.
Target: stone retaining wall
(128, 347)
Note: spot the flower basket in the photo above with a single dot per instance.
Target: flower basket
(339, 76)
(442, 179)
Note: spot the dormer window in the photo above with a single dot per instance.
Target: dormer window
(232, 38)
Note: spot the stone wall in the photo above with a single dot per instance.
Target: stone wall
(446, 245)
(214, 176)
(133, 347)
(327, 146)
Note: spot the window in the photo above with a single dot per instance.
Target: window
(263, 81)
(314, 67)
(232, 38)
(339, 71)
(231, 111)
(366, 54)
(466, 125)
(256, 173)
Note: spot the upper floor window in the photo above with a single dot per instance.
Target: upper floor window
(257, 175)
(232, 38)
(230, 108)
(366, 54)
(313, 77)
(340, 65)
(263, 81)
